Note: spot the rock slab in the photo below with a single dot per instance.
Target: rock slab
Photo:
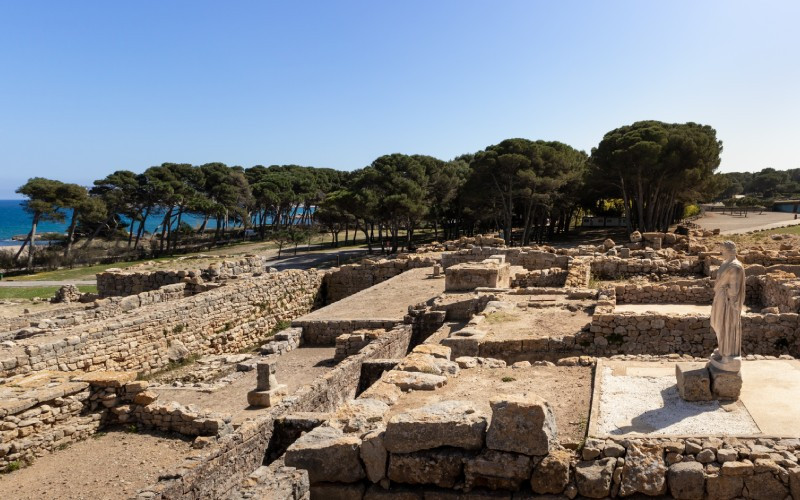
(521, 423)
(447, 423)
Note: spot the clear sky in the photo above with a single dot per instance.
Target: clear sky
(87, 88)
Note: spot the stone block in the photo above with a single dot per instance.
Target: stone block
(265, 373)
(337, 491)
(764, 486)
(441, 467)
(686, 481)
(593, 479)
(521, 424)
(725, 385)
(416, 381)
(644, 471)
(694, 381)
(497, 470)
(552, 473)
(724, 487)
(265, 399)
(107, 378)
(435, 350)
(328, 455)
(373, 455)
(448, 423)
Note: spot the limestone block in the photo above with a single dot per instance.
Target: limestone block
(725, 385)
(383, 391)
(737, 469)
(337, 491)
(644, 471)
(794, 482)
(360, 415)
(522, 424)
(552, 473)
(441, 467)
(686, 481)
(497, 470)
(764, 486)
(328, 455)
(265, 373)
(593, 479)
(106, 378)
(435, 350)
(268, 398)
(417, 362)
(694, 381)
(446, 423)
(414, 380)
(373, 455)
(723, 487)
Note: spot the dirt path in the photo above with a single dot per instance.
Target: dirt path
(110, 466)
(295, 369)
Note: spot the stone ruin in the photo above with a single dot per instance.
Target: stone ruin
(520, 377)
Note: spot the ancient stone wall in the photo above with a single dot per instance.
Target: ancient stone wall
(116, 282)
(605, 267)
(694, 292)
(226, 319)
(543, 277)
(324, 332)
(530, 258)
(781, 290)
(346, 280)
(225, 465)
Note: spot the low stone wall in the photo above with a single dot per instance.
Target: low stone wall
(579, 273)
(349, 344)
(530, 258)
(653, 333)
(223, 468)
(346, 280)
(605, 267)
(116, 282)
(671, 293)
(325, 332)
(782, 290)
(226, 319)
(540, 278)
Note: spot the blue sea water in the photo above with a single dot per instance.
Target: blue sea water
(14, 221)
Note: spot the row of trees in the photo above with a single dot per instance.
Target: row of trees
(765, 184)
(528, 190)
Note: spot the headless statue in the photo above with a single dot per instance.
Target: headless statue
(726, 311)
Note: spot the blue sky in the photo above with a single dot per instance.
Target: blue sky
(91, 87)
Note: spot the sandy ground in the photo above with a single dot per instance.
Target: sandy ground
(295, 369)
(540, 316)
(732, 224)
(567, 389)
(113, 465)
(387, 300)
(643, 400)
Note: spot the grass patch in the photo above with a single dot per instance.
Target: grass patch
(508, 379)
(500, 317)
(98, 435)
(173, 365)
(131, 429)
(62, 446)
(12, 466)
(782, 230)
(44, 292)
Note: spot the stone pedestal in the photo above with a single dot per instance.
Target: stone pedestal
(694, 381)
(706, 382)
(268, 391)
(725, 384)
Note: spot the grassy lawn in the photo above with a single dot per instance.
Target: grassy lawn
(77, 273)
(37, 291)
(785, 230)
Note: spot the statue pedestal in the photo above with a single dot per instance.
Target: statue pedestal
(706, 382)
(725, 384)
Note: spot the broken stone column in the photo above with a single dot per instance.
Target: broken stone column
(705, 382)
(268, 391)
(437, 270)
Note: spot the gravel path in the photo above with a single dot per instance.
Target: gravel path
(652, 405)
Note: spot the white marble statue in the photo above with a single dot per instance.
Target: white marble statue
(726, 310)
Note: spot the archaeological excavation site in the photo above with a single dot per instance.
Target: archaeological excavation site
(664, 365)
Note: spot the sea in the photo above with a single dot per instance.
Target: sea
(16, 222)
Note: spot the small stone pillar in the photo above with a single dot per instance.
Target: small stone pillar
(268, 391)
(625, 252)
(706, 382)
(437, 270)
(656, 243)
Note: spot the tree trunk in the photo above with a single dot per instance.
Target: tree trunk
(24, 244)
(71, 233)
(32, 245)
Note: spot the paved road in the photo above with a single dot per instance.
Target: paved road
(317, 259)
(733, 224)
(23, 284)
